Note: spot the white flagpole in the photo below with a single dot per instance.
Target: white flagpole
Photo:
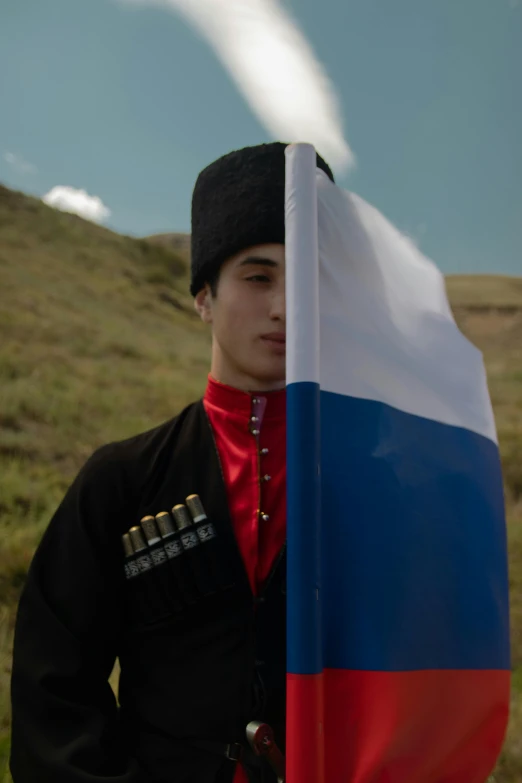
(305, 710)
(302, 264)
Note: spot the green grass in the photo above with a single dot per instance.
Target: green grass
(100, 341)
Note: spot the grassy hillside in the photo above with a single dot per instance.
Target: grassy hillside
(100, 341)
(180, 243)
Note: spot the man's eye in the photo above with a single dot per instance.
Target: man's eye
(262, 278)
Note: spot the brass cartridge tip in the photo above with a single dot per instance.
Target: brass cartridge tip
(165, 525)
(196, 508)
(149, 527)
(181, 516)
(138, 541)
(127, 545)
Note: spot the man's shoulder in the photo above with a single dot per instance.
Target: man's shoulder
(135, 455)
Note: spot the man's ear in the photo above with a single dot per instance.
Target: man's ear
(202, 304)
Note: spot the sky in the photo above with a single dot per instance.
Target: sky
(127, 103)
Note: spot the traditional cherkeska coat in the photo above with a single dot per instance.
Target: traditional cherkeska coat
(192, 676)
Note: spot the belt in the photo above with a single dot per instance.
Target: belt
(260, 757)
(257, 768)
(233, 751)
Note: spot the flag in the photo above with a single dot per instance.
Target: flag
(398, 667)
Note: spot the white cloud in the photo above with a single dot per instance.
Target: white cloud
(274, 67)
(79, 202)
(19, 164)
(416, 235)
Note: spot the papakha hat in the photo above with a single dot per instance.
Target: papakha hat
(238, 201)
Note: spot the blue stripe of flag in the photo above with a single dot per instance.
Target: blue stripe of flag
(413, 542)
(304, 640)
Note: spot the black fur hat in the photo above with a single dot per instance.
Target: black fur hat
(238, 201)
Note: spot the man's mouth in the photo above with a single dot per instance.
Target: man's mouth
(275, 337)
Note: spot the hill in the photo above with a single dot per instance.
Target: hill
(180, 243)
(100, 341)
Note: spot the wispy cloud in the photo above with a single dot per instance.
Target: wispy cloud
(416, 235)
(20, 165)
(79, 202)
(274, 66)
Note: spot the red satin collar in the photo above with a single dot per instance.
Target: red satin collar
(240, 403)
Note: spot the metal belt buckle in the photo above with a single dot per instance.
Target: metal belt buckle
(261, 739)
(234, 751)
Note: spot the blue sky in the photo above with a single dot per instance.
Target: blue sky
(130, 104)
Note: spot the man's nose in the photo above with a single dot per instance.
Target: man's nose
(278, 305)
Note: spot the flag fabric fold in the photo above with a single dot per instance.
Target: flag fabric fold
(398, 622)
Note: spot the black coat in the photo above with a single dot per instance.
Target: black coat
(200, 673)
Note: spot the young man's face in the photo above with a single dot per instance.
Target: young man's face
(248, 310)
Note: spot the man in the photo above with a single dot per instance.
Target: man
(195, 669)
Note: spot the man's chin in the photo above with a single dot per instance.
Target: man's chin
(269, 379)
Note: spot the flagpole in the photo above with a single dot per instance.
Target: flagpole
(305, 707)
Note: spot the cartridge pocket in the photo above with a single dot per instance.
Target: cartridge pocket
(173, 564)
(145, 599)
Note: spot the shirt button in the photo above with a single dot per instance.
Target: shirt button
(265, 517)
(254, 418)
(267, 478)
(264, 451)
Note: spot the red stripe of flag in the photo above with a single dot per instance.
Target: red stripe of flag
(444, 726)
(305, 728)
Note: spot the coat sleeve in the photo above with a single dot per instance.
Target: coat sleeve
(65, 725)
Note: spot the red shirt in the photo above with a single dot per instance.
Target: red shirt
(250, 433)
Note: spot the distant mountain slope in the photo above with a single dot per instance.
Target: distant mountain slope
(178, 242)
(99, 339)
(486, 291)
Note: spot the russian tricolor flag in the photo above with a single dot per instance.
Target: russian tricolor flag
(398, 629)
